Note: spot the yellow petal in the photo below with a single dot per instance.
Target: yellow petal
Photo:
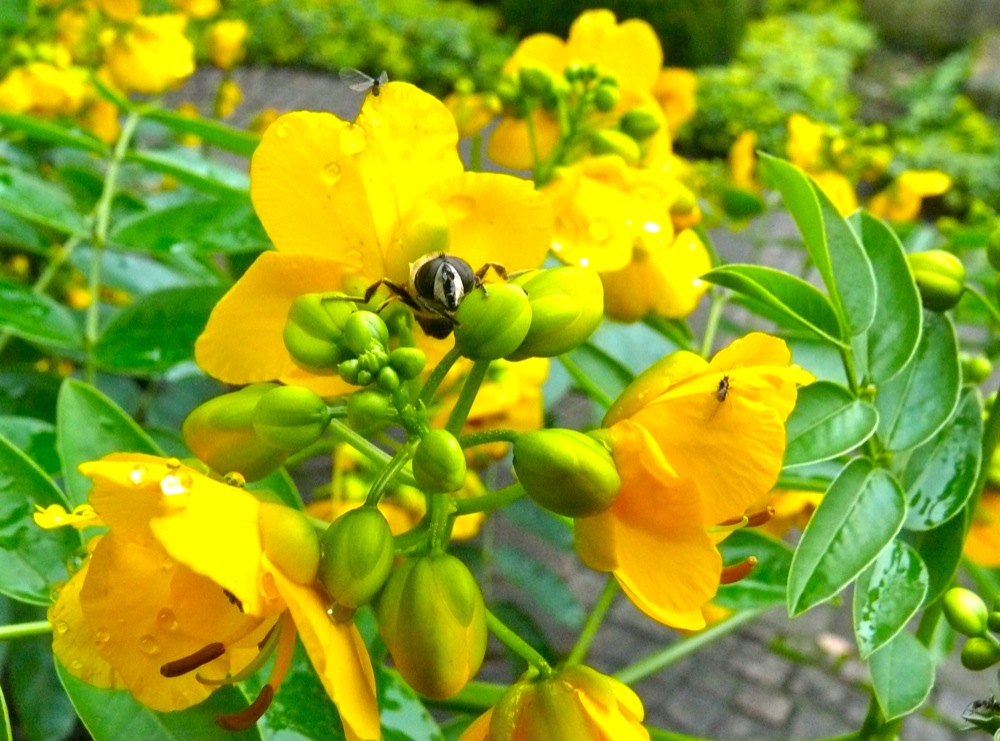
(539, 48)
(925, 182)
(243, 340)
(338, 654)
(495, 218)
(479, 729)
(653, 382)
(630, 51)
(982, 545)
(610, 723)
(510, 142)
(653, 535)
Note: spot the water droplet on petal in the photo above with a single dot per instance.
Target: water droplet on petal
(558, 247)
(584, 262)
(176, 483)
(148, 645)
(234, 478)
(173, 463)
(167, 564)
(55, 590)
(652, 227)
(138, 474)
(280, 130)
(330, 174)
(62, 627)
(75, 665)
(102, 636)
(166, 619)
(353, 140)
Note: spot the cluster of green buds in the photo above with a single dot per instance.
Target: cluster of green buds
(967, 614)
(940, 278)
(587, 104)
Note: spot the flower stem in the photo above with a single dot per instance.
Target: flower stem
(594, 620)
(372, 452)
(437, 375)
(488, 436)
(658, 660)
(489, 502)
(460, 412)
(990, 309)
(393, 467)
(517, 644)
(476, 153)
(719, 301)
(25, 630)
(99, 237)
(438, 510)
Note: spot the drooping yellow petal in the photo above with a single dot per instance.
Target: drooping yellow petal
(539, 48)
(510, 143)
(653, 537)
(653, 382)
(479, 729)
(982, 545)
(337, 653)
(838, 189)
(495, 218)
(243, 340)
(630, 51)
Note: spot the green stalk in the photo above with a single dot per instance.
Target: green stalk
(517, 644)
(460, 412)
(499, 435)
(437, 375)
(372, 452)
(594, 620)
(719, 301)
(489, 502)
(25, 630)
(392, 468)
(990, 309)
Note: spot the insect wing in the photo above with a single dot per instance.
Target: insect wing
(357, 80)
(383, 78)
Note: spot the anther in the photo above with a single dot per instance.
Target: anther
(732, 574)
(189, 663)
(756, 519)
(244, 719)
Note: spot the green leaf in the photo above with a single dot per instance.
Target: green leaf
(887, 594)
(157, 331)
(89, 426)
(280, 483)
(766, 585)
(31, 559)
(941, 551)
(792, 298)
(194, 170)
(228, 225)
(832, 245)
(13, 16)
(404, 717)
(540, 586)
(941, 474)
(39, 201)
(902, 675)
(36, 317)
(53, 133)
(890, 343)
(596, 373)
(115, 714)
(17, 232)
(827, 421)
(919, 400)
(527, 517)
(35, 438)
(6, 734)
(860, 514)
(212, 132)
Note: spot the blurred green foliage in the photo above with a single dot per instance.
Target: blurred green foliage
(787, 64)
(431, 43)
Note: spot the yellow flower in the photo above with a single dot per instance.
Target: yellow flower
(902, 200)
(198, 8)
(791, 508)
(696, 443)
(152, 56)
(576, 704)
(360, 202)
(100, 118)
(43, 89)
(120, 10)
(227, 97)
(675, 92)
(190, 577)
(805, 142)
(472, 111)
(225, 40)
(982, 545)
(664, 279)
(838, 189)
(743, 162)
(630, 51)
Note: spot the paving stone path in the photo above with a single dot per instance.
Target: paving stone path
(771, 679)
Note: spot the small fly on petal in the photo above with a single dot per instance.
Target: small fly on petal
(359, 82)
(723, 390)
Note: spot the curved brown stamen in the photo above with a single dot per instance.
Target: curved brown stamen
(732, 574)
(756, 519)
(189, 663)
(246, 718)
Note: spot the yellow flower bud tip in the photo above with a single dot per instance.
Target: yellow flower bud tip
(567, 472)
(357, 554)
(940, 277)
(290, 542)
(492, 325)
(439, 462)
(567, 306)
(290, 417)
(966, 612)
(609, 141)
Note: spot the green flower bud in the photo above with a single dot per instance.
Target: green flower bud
(606, 97)
(567, 306)
(221, 433)
(368, 409)
(290, 542)
(993, 249)
(508, 90)
(388, 379)
(574, 71)
(363, 329)
(979, 653)
(357, 552)
(993, 621)
(975, 368)
(433, 620)
(610, 141)
(965, 611)
(639, 123)
(492, 325)
(290, 417)
(349, 370)
(407, 362)
(439, 462)
(566, 472)
(314, 328)
(940, 276)
(535, 79)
